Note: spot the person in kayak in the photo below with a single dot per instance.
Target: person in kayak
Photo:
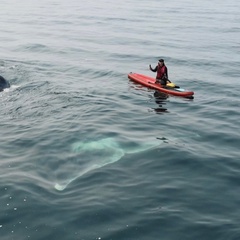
(162, 72)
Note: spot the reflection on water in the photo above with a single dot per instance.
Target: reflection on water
(160, 99)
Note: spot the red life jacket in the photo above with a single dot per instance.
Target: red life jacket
(162, 72)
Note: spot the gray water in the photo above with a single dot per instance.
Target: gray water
(87, 154)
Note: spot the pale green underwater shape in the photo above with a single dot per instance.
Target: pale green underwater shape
(105, 151)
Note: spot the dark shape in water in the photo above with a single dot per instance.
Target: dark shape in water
(160, 99)
(3, 83)
(160, 96)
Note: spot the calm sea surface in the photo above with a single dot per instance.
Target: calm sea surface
(85, 154)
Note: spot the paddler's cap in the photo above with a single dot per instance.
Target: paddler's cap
(161, 60)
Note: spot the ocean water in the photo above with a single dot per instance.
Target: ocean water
(87, 154)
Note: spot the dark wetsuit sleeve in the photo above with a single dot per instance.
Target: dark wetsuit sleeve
(155, 69)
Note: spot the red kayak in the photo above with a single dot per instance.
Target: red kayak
(150, 82)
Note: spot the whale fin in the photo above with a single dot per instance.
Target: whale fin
(96, 154)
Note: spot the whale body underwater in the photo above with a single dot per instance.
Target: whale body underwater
(3, 83)
(93, 155)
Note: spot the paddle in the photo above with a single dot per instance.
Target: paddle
(171, 84)
(176, 88)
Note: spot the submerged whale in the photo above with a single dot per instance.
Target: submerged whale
(96, 154)
(3, 83)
